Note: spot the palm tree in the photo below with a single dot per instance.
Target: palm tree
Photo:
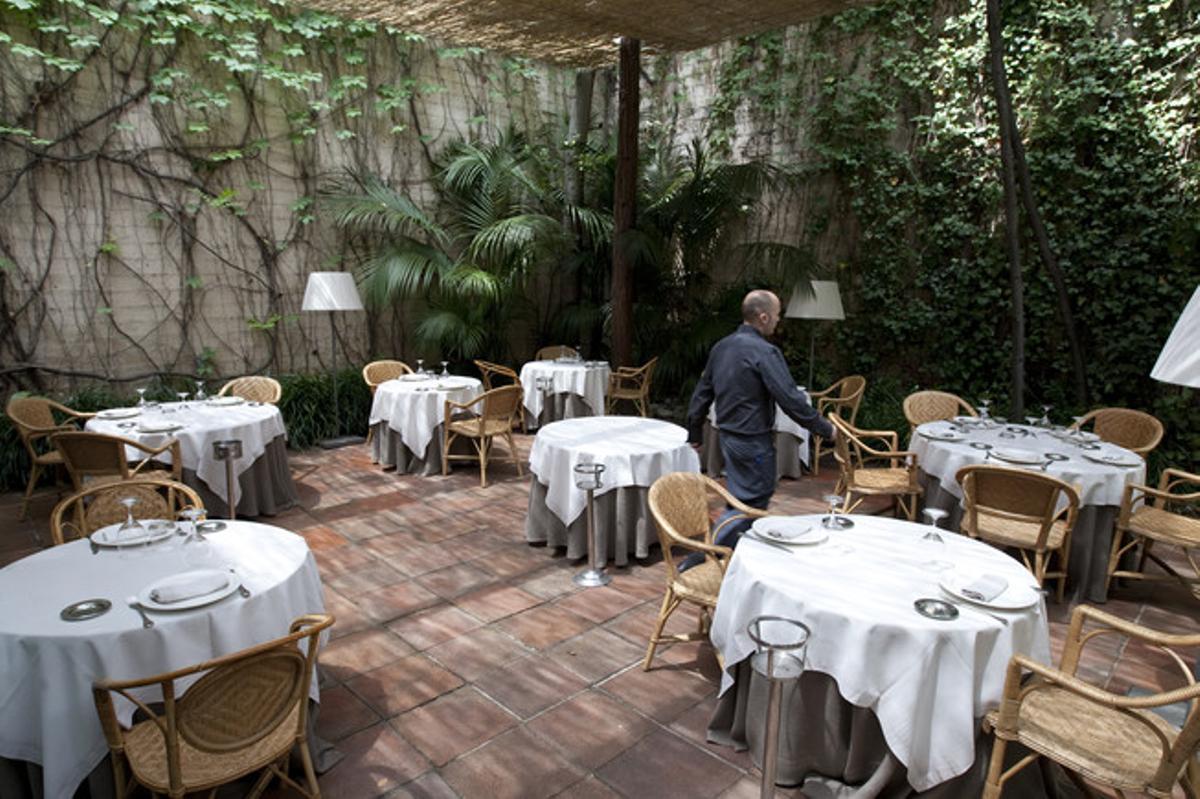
(501, 224)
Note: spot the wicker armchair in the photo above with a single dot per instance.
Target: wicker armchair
(254, 388)
(679, 503)
(1146, 518)
(96, 506)
(842, 399)
(106, 458)
(555, 351)
(494, 412)
(377, 372)
(488, 372)
(1111, 739)
(934, 406)
(33, 417)
(628, 383)
(1018, 508)
(897, 480)
(245, 714)
(1125, 427)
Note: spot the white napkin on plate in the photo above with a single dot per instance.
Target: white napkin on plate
(187, 586)
(984, 588)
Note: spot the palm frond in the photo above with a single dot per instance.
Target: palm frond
(468, 280)
(379, 209)
(402, 268)
(514, 239)
(451, 333)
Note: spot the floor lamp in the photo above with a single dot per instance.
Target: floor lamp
(333, 292)
(822, 301)
(1179, 361)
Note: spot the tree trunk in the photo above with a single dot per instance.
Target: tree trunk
(1012, 245)
(625, 202)
(577, 138)
(1052, 268)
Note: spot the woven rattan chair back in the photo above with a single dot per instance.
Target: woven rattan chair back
(843, 397)
(555, 351)
(680, 505)
(245, 715)
(1112, 739)
(1019, 508)
(1134, 430)
(254, 388)
(488, 372)
(377, 372)
(99, 505)
(33, 418)
(100, 455)
(934, 406)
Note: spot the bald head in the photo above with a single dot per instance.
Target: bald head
(760, 310)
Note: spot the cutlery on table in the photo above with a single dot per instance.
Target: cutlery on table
(760, 539)
(132, 601)
(958, 603)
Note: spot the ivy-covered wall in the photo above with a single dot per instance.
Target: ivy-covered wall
(160, 164)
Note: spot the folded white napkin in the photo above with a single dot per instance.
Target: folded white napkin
(985, 588)
(187, 586)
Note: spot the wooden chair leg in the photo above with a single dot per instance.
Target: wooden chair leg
(446, 435)
(483, 459)
(670, 602)
(516, 456)
(34, 473)
(993, 786)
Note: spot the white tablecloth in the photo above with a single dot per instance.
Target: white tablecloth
(1102, 484)
(927, 681)
(588, 379)
(414, 408)
(634, 451)
(47, 715)
(255, 426)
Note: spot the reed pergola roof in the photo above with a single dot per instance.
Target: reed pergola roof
(584, 32)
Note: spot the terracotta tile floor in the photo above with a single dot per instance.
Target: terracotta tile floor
(466, 663)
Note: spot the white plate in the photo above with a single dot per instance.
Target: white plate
(223, 401)
(231, 585)
(789, 531)
(158, 427)
(118, 413)
(107, 536)
(1014, 455)
(1113, 458)
(966, 419)
(938, 434)
(1016, 596)
(1085, 435)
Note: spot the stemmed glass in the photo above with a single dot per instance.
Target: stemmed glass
(983, 408)
(183, 395)
(420, 366)
(579, 352)
(933, 543)
(445, 371)
(834, 523)
(131, 534)
(141, 396)
(200, 395)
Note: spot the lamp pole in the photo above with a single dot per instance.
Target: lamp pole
(333, 292)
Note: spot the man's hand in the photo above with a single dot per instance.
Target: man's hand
(696, 445)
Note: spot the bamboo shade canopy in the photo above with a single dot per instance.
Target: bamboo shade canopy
(583, 33)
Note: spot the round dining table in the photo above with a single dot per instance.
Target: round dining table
(888, 696)
(407, 418)
(634, 452)
(1099, 469)
(47, 715)
(262, 484)
(573, 388)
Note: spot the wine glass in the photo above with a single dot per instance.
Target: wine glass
(183, 395)
(579, 352)
(420, 366)
(932, 542)
(445, 371)
(141, 391)
(830, 521)
(131, 533)
(1045, 420)
(192, 516)
(983, 408)
(200, 395)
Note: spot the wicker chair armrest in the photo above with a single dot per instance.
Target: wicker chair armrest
(1134, 630)
(1103, 697)
(42, 432)
(812, 395)
(462, 406)
(1174, 474)
(716, 550)
(716, 531)
(1150, 491)
(71, 412)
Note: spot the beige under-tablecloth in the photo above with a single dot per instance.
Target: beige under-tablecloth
(791, 454)
(624, 526)
(266, 488)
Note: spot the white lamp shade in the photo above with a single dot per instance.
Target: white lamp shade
(823, 303)
(331, 291)
(1179, 361)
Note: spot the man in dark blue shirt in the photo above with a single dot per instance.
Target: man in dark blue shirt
(747, 376)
